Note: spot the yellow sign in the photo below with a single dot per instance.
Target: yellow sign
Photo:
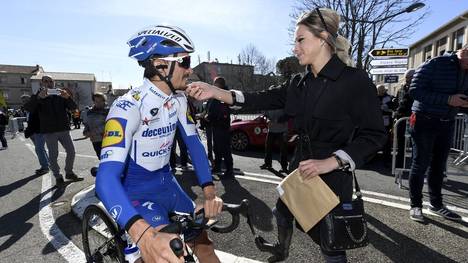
(114, 133)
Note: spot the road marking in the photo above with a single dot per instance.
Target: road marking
(61, 243)
(403, 199)
(368, 199)
(81, 155)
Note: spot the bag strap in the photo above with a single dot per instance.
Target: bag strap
(357, 189)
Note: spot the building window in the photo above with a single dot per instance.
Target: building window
(5, 94)
(441, 46)
(23, 80)
(427, 53)
(458, 39)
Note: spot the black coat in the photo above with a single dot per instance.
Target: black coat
(52, 111)
(338, 109)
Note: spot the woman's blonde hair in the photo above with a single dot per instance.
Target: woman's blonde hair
(331, 20)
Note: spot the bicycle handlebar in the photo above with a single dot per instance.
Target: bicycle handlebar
(185, 222)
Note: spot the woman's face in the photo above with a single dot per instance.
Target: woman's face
(306, 45)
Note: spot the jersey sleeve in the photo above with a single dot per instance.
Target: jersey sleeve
(121, 123)
(188, 130)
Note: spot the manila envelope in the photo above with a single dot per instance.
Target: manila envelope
(309, 201)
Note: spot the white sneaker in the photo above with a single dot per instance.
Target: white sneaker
(416, 214)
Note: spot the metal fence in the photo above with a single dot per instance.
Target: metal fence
(459, 145)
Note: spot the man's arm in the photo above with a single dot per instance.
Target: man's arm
(422, 80)
(119, 129)
(188, 131)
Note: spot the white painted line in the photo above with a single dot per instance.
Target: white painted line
(257, 179)
(372, 200)
(61, 243)
(264, 175)
(402, 206)
(403, 199)
(81, 155)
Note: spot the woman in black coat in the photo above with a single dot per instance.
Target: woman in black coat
(333, 106)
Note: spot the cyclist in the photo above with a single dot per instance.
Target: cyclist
(135, 181)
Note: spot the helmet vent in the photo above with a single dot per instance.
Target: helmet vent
(169, 43)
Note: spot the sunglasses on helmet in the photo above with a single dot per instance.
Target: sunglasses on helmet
(183, 62)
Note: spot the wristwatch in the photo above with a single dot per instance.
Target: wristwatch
(234, 99)
(342, 165)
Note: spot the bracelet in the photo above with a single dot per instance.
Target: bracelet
(142, 234)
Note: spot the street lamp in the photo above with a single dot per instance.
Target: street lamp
(409, 9)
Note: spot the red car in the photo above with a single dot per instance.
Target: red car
(245, 133)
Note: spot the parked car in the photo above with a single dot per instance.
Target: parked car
(245, 133)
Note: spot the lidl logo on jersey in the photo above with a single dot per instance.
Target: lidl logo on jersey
(161, 131)
(114, 133)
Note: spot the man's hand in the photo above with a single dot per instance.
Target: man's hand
(213, 204)
(154, 245)
(458, 100)
(311, 168)
(64, 94)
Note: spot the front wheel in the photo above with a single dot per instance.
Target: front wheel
(102, 241)
(239, 141)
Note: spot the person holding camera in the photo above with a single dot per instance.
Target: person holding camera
(52, 105)
(439, 89)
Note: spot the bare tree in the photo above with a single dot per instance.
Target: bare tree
(250, 55)
(364, 23)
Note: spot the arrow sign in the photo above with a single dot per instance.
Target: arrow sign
(389, 62)
(385, 71)
(389, 52)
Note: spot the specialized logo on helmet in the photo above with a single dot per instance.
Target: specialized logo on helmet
(114, 133)
(160, 32)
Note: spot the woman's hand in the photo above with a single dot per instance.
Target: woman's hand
(311, 168)
(201, 90)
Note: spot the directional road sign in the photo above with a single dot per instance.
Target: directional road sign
(391, 79)
(386, 71)
(389, 62)
(389, 52)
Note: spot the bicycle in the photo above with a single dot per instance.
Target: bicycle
(97, 223)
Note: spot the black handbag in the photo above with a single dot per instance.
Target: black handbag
(345, 227)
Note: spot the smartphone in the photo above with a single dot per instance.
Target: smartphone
(53, 91)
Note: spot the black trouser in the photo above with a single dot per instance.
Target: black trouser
(432, 138)
(182, 149)
(273, 137)
(97, 149)
(285, 218)
(222, 148)
(2, 136)
(209, 140)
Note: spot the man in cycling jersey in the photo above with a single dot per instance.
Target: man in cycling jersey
(135, 181)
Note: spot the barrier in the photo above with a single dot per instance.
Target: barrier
(459, 144)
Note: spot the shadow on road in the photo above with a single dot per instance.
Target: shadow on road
(398, 247)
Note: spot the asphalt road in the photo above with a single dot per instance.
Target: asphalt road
(37, 225)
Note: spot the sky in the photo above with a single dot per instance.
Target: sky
(90, 36)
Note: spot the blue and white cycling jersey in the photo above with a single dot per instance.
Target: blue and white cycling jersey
(134, 179)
